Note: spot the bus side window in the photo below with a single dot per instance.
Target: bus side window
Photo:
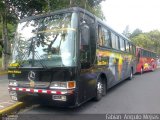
(122, 44)
(100, 36)
(107, 41)
(138, 56)
(115, 41)
(127, 47)
(103, 37)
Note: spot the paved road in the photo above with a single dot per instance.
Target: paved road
(3, 89)
(140, 95)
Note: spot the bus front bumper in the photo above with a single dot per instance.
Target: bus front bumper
(61, 98)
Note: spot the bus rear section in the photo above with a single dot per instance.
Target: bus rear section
(146, 60)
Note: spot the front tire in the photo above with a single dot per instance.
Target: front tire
(131, 75)
(99, 90)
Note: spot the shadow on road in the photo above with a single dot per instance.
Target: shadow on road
(36, 109)
(90, 105)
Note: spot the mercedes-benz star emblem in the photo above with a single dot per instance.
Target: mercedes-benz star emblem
(31, 76)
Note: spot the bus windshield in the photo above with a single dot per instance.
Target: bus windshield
(46, 42)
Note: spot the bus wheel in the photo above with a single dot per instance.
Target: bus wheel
(104, 89)
(141, 70)
(131, 74)
(99, 89)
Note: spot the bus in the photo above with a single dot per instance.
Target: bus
(146, 60)
(68, 57)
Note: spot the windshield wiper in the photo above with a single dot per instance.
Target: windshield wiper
(31, 47)
(35, 54)
(26, 54)
(40, 61)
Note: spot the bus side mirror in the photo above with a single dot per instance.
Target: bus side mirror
(85, 34)
(85, 46)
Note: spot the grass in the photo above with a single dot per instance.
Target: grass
(2, 72)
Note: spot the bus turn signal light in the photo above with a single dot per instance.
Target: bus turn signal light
(71, 84)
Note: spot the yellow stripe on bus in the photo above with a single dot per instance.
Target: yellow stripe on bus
(55, 30)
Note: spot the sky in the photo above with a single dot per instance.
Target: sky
(142, 14)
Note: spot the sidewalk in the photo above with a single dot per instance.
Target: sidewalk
(3, 72)
(6, 104)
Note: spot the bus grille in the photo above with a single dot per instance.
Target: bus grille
(37, 84)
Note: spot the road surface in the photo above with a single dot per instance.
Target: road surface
(140, 95)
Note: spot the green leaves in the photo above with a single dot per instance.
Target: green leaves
(23, 8)
(149, 40)
(91, 5)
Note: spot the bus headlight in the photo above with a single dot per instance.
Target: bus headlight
(63, 85)
(13, 83)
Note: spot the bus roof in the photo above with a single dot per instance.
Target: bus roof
(56, 12)
(145, 49)
(76, 9)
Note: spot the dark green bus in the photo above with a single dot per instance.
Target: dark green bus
(68, 57)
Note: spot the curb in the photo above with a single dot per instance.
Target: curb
(8, 110)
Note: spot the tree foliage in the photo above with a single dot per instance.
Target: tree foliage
(4, 41)
(126, 31)
(149, 40)
(135, 33)
(91, 5)
(24, 8)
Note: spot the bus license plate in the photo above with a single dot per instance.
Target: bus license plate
(56, 97)
(59, 97)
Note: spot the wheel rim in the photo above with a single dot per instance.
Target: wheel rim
(131, 74)
(99, 87)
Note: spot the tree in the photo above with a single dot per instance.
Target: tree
(143, 40)
(10, 11)
(136, 32)
(4, 41)
(149, 40)
(91, 5)
(155, 37)
(126, 32)
(24, 8)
